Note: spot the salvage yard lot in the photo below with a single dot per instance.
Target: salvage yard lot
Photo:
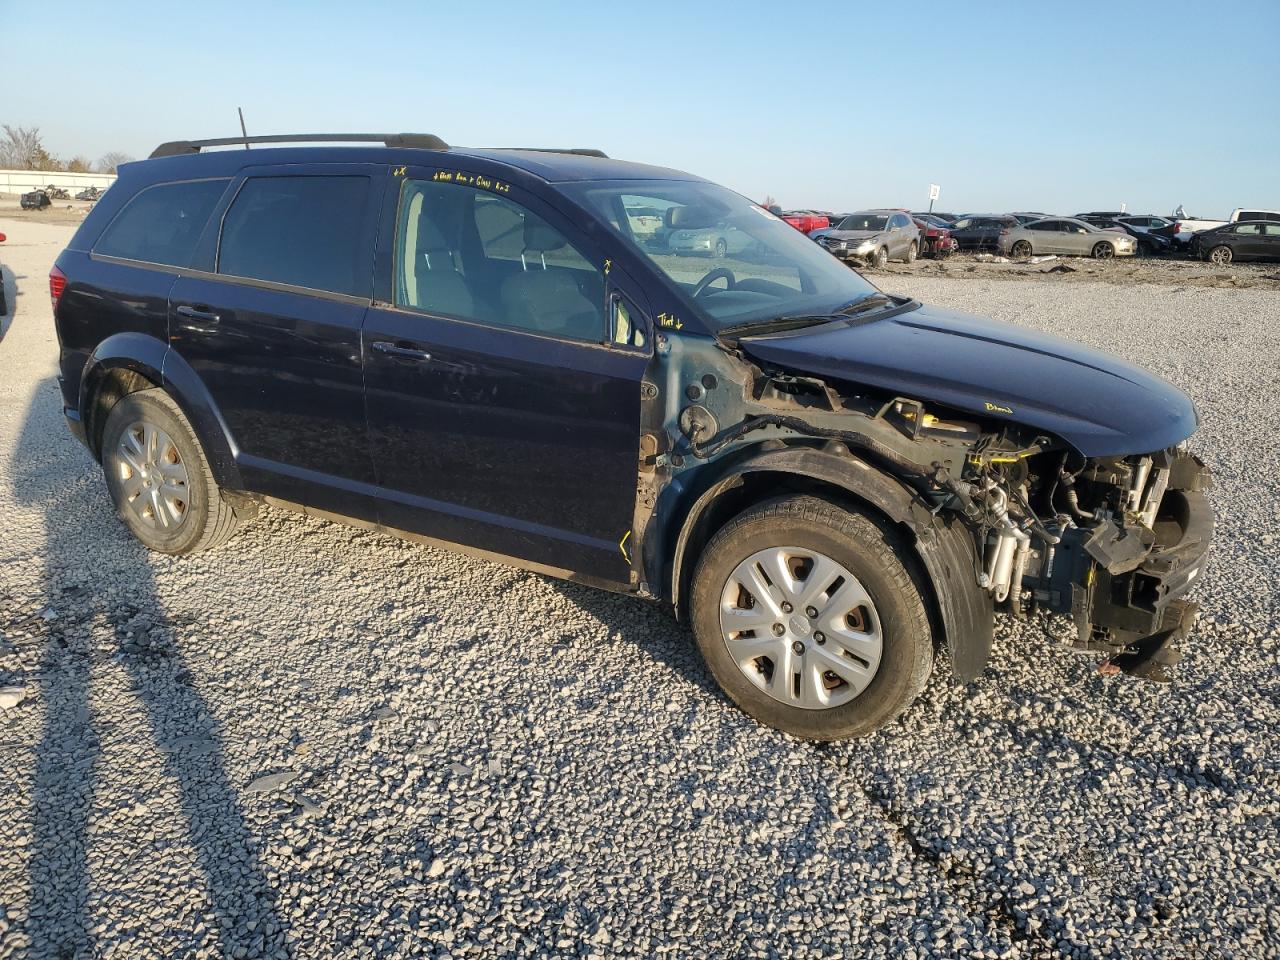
(319, 741)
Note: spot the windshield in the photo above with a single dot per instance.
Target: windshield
(734, 261)
(864, 221)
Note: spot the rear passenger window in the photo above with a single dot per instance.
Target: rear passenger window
(468, 254)
(302, 231)
(162, 223)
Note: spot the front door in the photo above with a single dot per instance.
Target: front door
(271, 326)
(500, 415)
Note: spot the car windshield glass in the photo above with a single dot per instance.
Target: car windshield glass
(732, 260)
(864, 221)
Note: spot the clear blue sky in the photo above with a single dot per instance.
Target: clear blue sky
(1009, 106)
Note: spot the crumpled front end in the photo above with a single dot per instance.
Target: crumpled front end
(1116, 545)
(1123, 580)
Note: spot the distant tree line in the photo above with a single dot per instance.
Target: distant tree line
(22, 149)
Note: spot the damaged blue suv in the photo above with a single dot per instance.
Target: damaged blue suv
(499, 351)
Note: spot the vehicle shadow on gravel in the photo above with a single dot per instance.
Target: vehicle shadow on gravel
(648, 627)
(85, 548)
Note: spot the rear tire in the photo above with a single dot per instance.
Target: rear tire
(1021, 250)
(159, 478)
(850, 557)
(1103, 251)
(1220, 256)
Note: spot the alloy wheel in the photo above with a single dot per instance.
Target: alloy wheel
(1221, 256)
(153, 478)
(801, 627)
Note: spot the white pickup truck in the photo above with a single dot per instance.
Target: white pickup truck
(1186, 226)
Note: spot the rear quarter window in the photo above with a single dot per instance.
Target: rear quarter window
(162, 224)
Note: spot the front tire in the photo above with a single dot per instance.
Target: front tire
(1220, 256)
(722, 248)
(880, 257)
(809, 621)
(1103, 251)
(911, 252)
(159, 478)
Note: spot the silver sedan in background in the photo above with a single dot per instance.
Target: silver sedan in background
(1068, 236)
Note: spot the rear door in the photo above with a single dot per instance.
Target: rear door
(1270, 241)
(500, 415)
(271, 326)
(1248, 240)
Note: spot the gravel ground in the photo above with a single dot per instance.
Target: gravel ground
(1175, 271)
(324, 742)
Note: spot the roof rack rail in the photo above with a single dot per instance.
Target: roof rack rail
(576, 151)
(421, 141)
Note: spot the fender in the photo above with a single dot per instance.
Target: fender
(152, 358)
(945, 546)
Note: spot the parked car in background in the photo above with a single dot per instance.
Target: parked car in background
(1149, 244)
(718, 240)
(1185, 228)
(935, 237)
(1067, 236)
(806, 221)
(1250, 240)
(945, 217)
(35, 200)
(1098, 215)
(873, 236)
(980, 231)
(1144, 222)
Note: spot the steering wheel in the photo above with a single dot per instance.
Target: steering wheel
(712, 277)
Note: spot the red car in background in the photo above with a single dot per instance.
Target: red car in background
(935, 238)
(805, 221)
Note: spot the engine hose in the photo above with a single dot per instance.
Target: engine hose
(1015, 581)
(1073, 504)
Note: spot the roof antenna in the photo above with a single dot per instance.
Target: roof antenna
(243, 132)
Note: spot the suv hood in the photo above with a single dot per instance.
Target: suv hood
(852, 234)
(1098, 403)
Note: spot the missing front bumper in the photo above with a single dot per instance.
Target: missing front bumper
(1125, 586)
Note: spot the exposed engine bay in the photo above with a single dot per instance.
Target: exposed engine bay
(1113, 543)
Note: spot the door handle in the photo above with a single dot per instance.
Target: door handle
(195, 313)
(395, 350)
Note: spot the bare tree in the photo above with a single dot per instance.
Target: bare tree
(111, 160)
(22, 149)
(769, 202)
(79, 164)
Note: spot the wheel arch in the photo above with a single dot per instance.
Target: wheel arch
(128, 362)
(943, 550)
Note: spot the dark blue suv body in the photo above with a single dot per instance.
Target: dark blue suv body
(627, 376)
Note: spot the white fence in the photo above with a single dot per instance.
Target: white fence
(24, 181)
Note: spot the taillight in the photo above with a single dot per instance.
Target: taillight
(57, 283)
(1177, 227)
